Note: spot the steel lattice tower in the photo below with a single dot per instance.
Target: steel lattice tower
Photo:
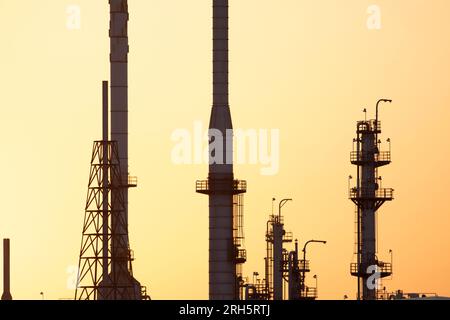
(97, 281)
(368, 197)
(105, 271)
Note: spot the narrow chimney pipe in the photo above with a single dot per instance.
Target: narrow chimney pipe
(6, 271)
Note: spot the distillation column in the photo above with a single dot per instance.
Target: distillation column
(276, 256)
(368, 197)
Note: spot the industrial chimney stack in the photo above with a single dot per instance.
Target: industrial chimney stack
(226, 254)
(6, 271)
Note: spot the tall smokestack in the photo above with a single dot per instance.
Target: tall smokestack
(221, 186)
(121, 254)
(118, 34)
(6, 271)
(222, 269)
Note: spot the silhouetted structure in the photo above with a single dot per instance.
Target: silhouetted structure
(226, 254)
(119, 48)
(105, 256)
(276, 260)
(369, 196)
(6, 271)
(105, 270)
(283, 269)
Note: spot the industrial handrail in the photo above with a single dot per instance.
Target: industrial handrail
(383, 193)
(276, 218)
(132, 180)
(241, 255)
(310, 292)
(369, 125)
(303, 265)
(288, 237)
(383, 267)
(359, 156)
(354, 268)
(221, 185)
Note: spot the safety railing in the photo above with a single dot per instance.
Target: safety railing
(303, 265)
(241, 255)
(368, 194)
(221, 186)
(309, 293)
(384, 268)
(288, 237)
(132, 181)
(369, 126)
(360, 157)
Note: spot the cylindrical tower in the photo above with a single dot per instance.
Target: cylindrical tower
(118, 34)
(277, 257)
(224, 256)
(368, 197)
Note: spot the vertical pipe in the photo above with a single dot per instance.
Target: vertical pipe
(105, 172)
(105, 126)
(6, 271)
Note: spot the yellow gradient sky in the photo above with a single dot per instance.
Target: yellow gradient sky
(305, 67)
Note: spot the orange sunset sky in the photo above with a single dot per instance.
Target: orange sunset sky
(307, 68)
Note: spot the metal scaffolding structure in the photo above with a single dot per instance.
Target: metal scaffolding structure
(105, 269)
(97, 279)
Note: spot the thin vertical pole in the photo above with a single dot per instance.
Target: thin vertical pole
(105, 181)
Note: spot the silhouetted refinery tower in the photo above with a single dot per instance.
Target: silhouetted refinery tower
(369, 196)
(105, 271)
(226, 254)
